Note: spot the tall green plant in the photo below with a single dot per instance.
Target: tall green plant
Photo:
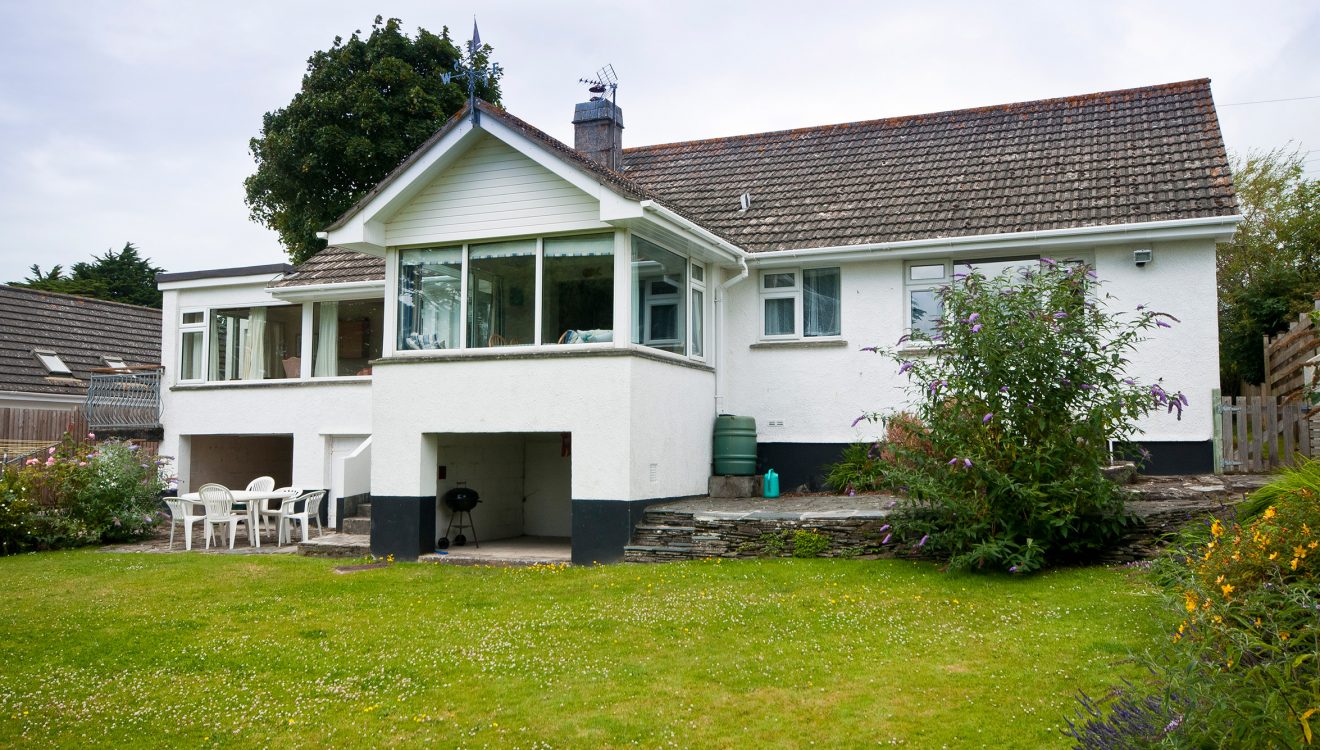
(1021, 391)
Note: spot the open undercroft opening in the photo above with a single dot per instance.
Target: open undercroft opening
(235, 460)
(524, 480)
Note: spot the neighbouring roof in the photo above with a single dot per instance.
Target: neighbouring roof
(79, 330)
(334, 265)
(1115, 157)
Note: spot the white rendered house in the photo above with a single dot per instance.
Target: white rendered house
(558, 327)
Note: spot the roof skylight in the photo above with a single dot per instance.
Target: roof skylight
(52, 362)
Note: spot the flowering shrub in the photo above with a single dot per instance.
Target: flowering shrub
(80, 493)
(1242, 657)
(1019, 394)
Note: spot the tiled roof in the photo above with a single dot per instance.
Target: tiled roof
(334, 265)
(78, 329)
(1116, 157)
(1137, 155)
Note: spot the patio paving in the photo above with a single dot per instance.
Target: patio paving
(159, 541)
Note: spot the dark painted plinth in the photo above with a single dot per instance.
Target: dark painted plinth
(798, 463)
(1174, 457)
(602, 528)
(402, 526)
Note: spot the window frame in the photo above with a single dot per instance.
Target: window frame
(797, 294)
(303, 334)
(696, 339)
(202, 326)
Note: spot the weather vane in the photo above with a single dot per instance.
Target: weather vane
(473, 73)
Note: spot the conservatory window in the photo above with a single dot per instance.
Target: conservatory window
(698, 310)
(577, 289)
(501, 293)
(430, 298)
(346, 336)
(660, 286)
(256, 343)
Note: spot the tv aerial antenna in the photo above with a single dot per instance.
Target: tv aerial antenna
(605, 86)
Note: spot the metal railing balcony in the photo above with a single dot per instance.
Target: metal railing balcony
(124, 398)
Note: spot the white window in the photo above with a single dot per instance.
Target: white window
(52, 362)
(698, 314)
(800, 303)
(923, 280)
(192, 345)
(660, 283)
(114, 363)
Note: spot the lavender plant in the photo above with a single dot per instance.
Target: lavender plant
(1020, 393)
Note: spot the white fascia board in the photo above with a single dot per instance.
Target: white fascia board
(673, 222)
(1216, 228)
(220, 282)
(35, 396)
(364, 231)
(330, 292)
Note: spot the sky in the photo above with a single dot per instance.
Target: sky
(129, 120)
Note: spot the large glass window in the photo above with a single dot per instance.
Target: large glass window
(578, 289)
(924, 279)
(346, 336)
(502, 293)
(256, 343)
(430, 298)
(660, 286)
(805, 303)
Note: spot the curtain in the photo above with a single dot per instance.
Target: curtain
(779, 316)
(326, 359)
(254, 349)
(820, 302)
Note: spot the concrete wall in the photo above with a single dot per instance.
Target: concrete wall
(625, 412)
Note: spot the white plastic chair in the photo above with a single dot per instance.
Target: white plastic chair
(266, 514)
(181, 512)
(220, 511)
(311, 512)
(261, 484)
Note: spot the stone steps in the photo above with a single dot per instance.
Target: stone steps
(357, 525)
(662, 535)
(336, 545)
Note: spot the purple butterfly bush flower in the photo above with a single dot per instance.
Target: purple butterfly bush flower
(908, 365)
(988, 416)
(886, 539)
(1086, 387)
(922, 543)
(1140, 308)
(1013, 569)
(858, 420)
(953, 461)
(973, 317)
(1129, 381)
(1162, 324)
(1060, 315)
(885, 527)
(1003, 389)
(976, 328)
(1049, 262)
(872, 349)
(967, 463)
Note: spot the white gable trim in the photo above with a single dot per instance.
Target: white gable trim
(364, 231)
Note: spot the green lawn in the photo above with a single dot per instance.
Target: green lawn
(192, 650)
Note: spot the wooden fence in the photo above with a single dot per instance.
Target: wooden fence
(1287, 356)
(1258, 434)
(39, 426)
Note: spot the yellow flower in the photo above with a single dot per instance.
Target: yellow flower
(1283, 636)
(1299, 551)
(1220, 579)
(1294, 563)
(1227, 589)
(1191, 601)
(1216, 528)
(1274, 555)
(1270, 512)
(1257, 622)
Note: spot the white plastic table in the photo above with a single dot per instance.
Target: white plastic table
(251, 500)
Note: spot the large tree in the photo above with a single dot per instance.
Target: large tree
(364, 106)
(123, 276)
(1271, 270)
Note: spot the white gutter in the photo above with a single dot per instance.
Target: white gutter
(705, 234)
(720, 290)
(1210, 226)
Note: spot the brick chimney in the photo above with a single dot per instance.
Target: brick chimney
(598, 132)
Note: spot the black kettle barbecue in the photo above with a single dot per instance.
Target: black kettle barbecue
(460, 501)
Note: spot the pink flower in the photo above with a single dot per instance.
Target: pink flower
(50, 461)
(91, 436)
(31, 462)
(50, 451)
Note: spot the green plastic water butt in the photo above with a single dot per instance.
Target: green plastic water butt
(735, 445)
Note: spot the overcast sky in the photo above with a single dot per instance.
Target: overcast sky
(129, 120)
